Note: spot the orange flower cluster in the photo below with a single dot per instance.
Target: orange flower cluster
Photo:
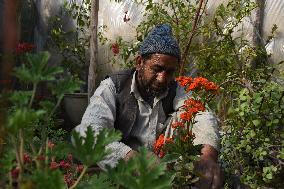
(192, 107)
(184, 81)
(192, 103)
(196, 83)
(159, 145)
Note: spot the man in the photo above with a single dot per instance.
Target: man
(142, 102)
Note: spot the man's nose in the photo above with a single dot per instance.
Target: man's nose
(162, 77)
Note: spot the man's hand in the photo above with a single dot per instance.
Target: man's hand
(133, 153)
(130, 155)
(211, 177)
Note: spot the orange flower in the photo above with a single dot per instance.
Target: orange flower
(210, 86)
(159, 145)
(177, 124)
(192, 86)
(197, 83)
(191, 103)
(186, 116)
(200, 80)
(183, 81)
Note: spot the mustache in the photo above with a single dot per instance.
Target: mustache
(155, 91)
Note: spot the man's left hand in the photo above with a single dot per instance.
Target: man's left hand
(211, 176)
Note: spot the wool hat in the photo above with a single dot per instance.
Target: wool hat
(160, 40)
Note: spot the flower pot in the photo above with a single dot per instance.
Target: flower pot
(74, 106)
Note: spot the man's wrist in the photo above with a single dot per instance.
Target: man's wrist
(209, 152)
(129, 155)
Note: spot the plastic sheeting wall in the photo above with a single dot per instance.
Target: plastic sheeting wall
(274, 14)
(111, 14)
(46, 9)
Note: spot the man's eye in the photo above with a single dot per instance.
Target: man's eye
(157, 70)
(170, 72)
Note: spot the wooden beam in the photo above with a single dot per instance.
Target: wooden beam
(10, 39)
(93, 48)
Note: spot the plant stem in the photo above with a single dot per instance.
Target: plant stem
(33, 95)
(18, 158)
(35, 154)
(46, 152)
(56, 106)
(16, 151)
(80, 177)
(21, 150)
(10, 180)
(197, 16)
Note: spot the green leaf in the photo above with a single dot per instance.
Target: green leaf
(100, 181)
(141, 171)
(36, 69)
(269, 176)
(21, 98)
(90, 149)
(169, 158)
(23, 118)
(256, 122)
(46, 179)
(66, 85)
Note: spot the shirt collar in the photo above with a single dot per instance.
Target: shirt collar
(134, 90)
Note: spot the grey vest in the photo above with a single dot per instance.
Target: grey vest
(127, 106)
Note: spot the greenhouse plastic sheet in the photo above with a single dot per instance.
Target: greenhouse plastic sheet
(112, 15)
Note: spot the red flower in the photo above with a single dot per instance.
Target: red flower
(40, 158)
(79, 168)
(15, 172)
(24, 47)
(27, 158)
(64, 165)
(68, 179)
(161, 154)
(115, 48)
(126, 18)
(53, 165)
(70, 158)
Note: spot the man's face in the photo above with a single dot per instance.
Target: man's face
(156, 72)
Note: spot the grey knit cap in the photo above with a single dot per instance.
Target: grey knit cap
(160, 40)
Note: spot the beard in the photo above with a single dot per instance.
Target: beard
(147, 86)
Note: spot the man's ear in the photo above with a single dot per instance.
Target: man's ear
(139, 62)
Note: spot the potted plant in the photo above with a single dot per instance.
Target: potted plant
(73, 45)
